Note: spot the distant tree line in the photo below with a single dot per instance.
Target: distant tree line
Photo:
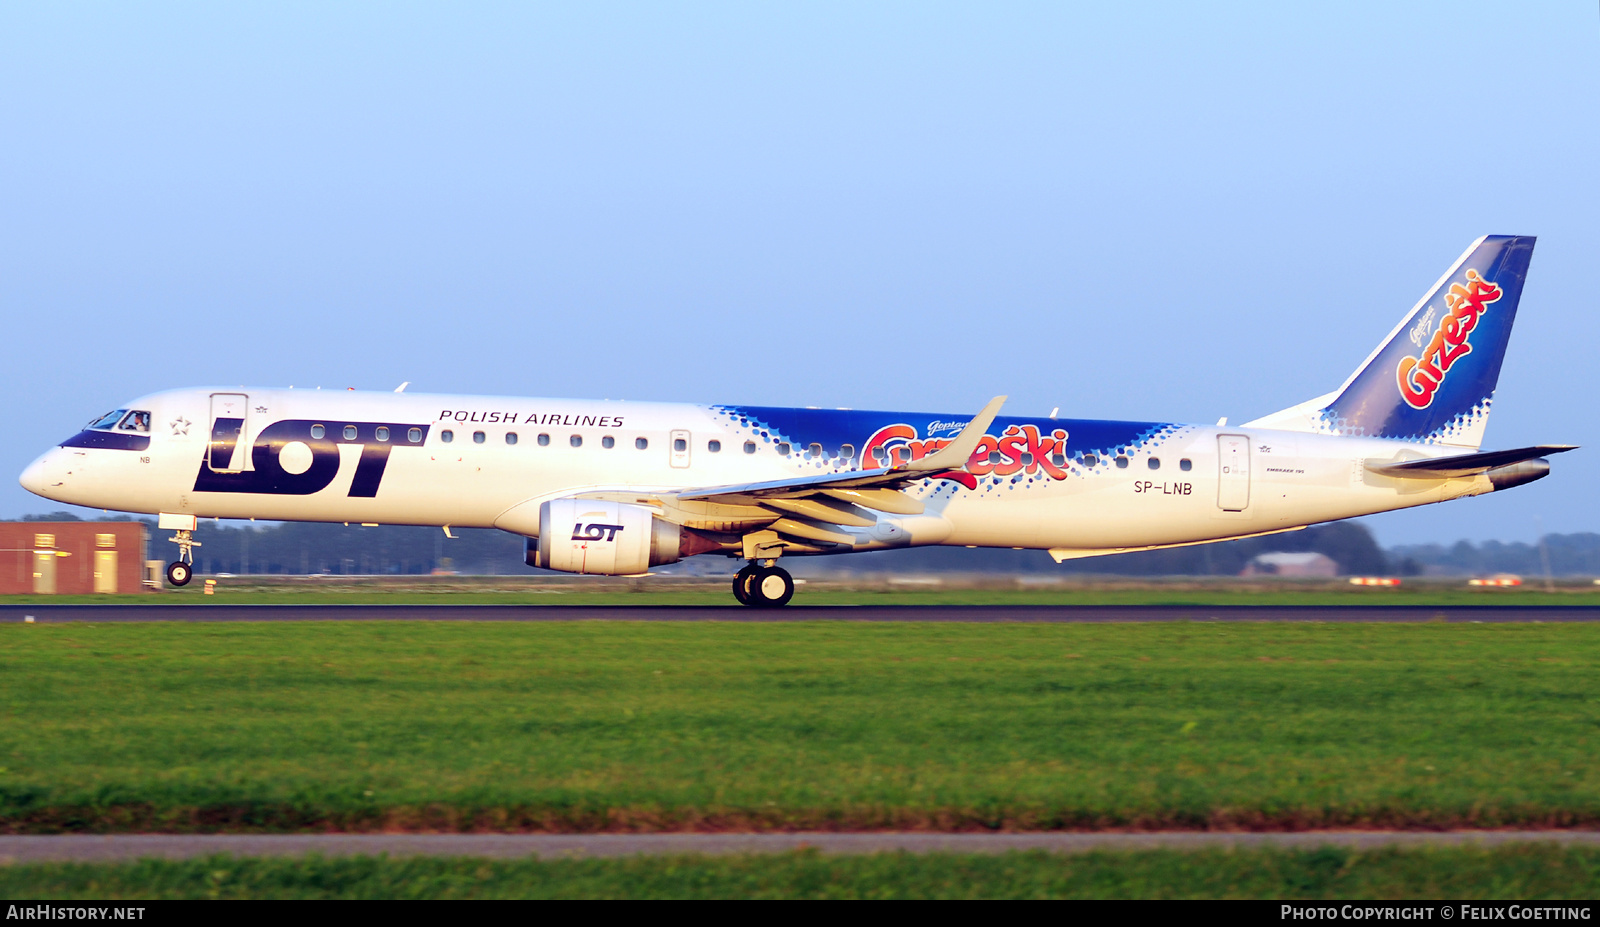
(301, 548)
(1568, 555)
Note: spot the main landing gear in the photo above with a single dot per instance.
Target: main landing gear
(181, 570)
(763, 585)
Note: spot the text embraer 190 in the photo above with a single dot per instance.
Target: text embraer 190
(617, 488)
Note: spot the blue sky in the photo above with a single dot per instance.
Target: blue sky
(1155, 211)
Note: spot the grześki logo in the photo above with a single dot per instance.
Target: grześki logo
(1420, 377)
(1021, 448)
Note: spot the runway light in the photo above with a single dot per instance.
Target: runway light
(28, 620)
(1374, 581)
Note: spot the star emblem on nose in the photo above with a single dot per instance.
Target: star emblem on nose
(180, 426)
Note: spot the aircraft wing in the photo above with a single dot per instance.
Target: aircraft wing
(807, 513)
(862, 486)
(1434, 468)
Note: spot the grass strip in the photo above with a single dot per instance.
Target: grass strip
(1525, 872)
(643, 592)
(621, 726)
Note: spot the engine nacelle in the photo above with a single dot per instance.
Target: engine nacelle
(609, 538)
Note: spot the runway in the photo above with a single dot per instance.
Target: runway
(113, 847)
(48, 614)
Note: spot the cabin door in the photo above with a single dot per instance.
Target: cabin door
(1233, 472)
(230, 416)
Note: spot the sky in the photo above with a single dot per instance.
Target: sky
(1156, 211)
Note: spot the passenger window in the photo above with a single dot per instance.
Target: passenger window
(1155, 463)
(749, 447)
(848, 451)
(784, 448)
(814, 451)
(680, 445)
(995, 458)
(714, 446)
(477, 437)
(382, 433)
(1122, 463)
(1185, 465)
(349, 432)
(447, 436)
(576, 440)
(318, 431)
(641, 443)
(608, 442)
(414, 435)
(1089, 460)
(1058, 459)
(544, 440)
(511, 437)
(1027, 460)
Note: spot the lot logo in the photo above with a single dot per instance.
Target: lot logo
(1421, 377)
(313, 450)
(1020, 449)
(595, 532)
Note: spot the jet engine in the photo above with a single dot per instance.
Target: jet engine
(609, 538)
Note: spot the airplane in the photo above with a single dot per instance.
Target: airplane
(616, 488)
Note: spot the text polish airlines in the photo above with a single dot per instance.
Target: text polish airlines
(618, 487)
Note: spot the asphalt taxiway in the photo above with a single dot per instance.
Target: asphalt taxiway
(111, 847)
(930, 613)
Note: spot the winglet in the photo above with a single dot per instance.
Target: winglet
(954, 456)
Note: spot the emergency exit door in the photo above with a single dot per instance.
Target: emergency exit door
(678, 447)
(1233, 472)
(230, 416)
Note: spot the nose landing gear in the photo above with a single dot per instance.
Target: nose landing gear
(763, 585)
(179, 573)
(181, 570)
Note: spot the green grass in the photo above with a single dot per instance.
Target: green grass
(1527, 873)
(250, 591)
(574, 726)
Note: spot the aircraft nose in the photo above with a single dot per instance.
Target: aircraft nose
(41, 475)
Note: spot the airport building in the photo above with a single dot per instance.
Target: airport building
(72, 557)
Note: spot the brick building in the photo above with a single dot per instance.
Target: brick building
(71, 557)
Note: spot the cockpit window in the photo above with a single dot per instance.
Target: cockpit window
(109, 420)
(136, 420)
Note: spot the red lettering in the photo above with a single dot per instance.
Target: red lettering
(1042, 449)
(1419, 377)
(899, 455)
(979, 461)
(1010, 452)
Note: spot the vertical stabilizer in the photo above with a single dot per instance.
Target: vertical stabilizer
(1432, 380)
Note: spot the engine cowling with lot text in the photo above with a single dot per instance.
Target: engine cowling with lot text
(606, 538)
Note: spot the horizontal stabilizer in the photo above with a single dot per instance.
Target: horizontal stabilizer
(1465, 464)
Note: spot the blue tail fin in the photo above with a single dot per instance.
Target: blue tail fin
(1433, 378)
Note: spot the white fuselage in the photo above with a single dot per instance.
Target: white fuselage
(1119, 499)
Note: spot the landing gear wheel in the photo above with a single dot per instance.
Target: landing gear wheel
(179, 573)
(741, 585)
(771, 587)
